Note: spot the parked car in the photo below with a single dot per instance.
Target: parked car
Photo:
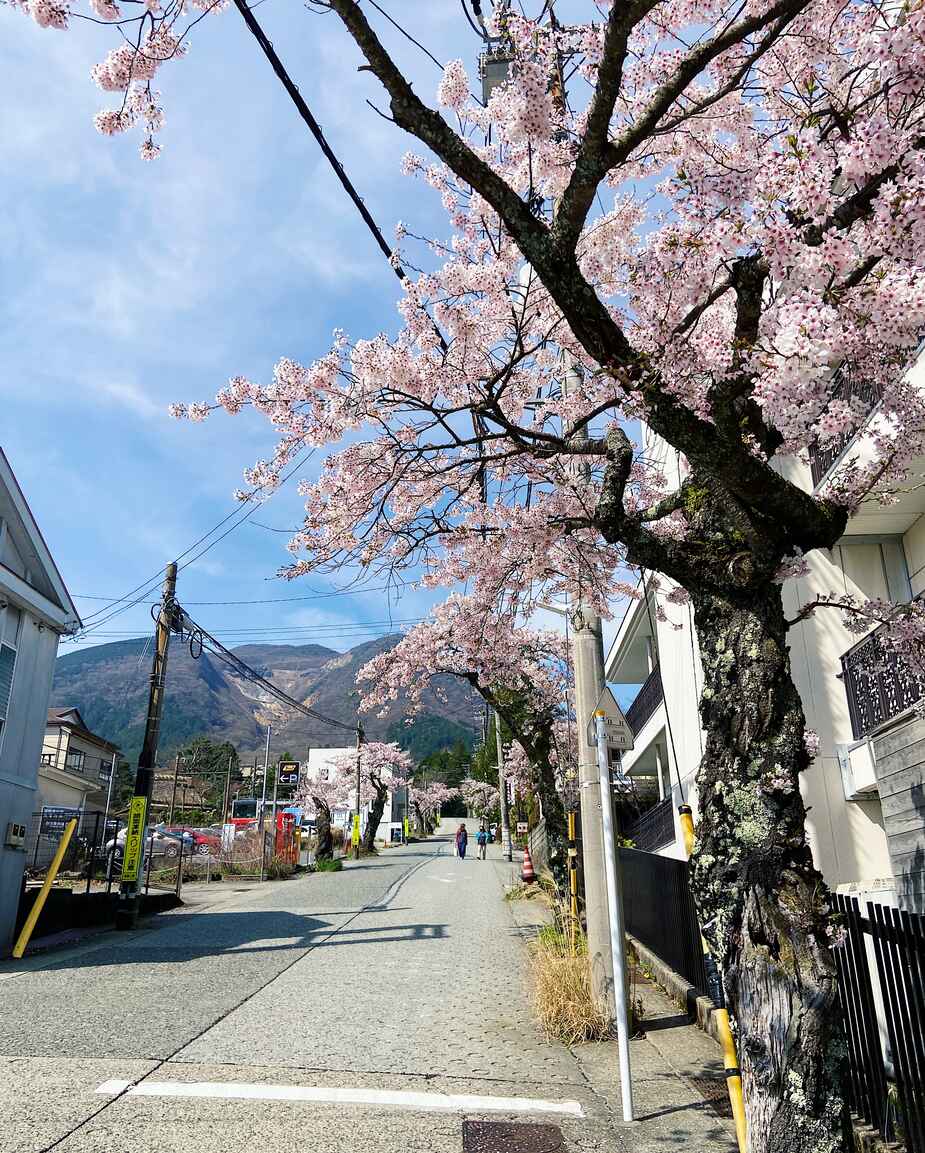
(157, 844)
(206, 841)
(182, 834)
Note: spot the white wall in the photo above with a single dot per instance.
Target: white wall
(20, 749)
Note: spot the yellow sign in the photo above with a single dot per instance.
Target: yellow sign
(134, 839)
(355, 840)
(407, 833)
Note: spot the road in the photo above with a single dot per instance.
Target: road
(329, 1012)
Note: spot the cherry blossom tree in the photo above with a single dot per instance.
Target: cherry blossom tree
(694, 213)
(427, 799)
(520, 672)
(330, 790)
(481, 798)
(383, 766)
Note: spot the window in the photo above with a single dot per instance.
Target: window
(75, 760)
(10, 623)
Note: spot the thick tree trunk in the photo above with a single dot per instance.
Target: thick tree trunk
(762, 903)
(375, 814)
(553, 812)
(324, 850)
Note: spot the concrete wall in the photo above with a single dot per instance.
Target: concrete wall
(20, 749)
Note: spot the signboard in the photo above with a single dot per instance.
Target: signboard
(288, 772)
(355, 839)
(407, 832)
(617, 733)
(134, 838)
(55, 820)
(522, 827)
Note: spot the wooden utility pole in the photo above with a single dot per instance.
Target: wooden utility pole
(137, 832)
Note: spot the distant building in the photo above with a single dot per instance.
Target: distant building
(75, 763)
(35, 611)
(320, 765)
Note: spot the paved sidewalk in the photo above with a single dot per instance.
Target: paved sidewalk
(331, 1012)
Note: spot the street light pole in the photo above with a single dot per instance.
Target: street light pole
(266, 770)
(356, 847)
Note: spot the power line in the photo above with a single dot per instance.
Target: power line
(267, 601)
(201, 640)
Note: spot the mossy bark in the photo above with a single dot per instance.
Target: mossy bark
(762, 903)
(324, 850)
(375, 814)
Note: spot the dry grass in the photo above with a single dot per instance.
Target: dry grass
(565, 1005)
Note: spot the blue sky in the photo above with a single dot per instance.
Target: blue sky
(125, 286)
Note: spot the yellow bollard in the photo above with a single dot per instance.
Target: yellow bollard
(720, 1012)
(35, 912)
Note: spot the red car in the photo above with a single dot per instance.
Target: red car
(202, 841)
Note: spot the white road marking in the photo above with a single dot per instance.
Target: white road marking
(329, 1095)
(445, 880)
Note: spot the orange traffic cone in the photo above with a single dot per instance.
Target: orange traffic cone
(526, 870)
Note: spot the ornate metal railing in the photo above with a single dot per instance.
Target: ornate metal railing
(866, 396)
(653, 829)
(878, 684)
(647, 700)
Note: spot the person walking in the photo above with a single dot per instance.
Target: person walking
(462, 840)
(481, 839)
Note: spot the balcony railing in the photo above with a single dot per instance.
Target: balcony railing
(649, 697)
(864, 396)
(653, 829)
(878, 684)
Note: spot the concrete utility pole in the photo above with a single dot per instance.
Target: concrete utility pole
(136, 835)
(266, 770)
(226, 798)
(356, 847)
(502, 785)
(588, 663)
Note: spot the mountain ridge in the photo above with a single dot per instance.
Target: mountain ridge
(204, 697)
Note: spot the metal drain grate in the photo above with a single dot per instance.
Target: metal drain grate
(502, 1137)
(715, 1092)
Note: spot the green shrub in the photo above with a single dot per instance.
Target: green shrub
(329, 866)
(279, 869)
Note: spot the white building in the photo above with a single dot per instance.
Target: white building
(865, 790)
(35, 610)
(321, 765)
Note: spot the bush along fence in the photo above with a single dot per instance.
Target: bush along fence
(884, 1018)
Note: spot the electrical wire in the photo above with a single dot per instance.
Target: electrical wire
(267, 601)
(198, 638)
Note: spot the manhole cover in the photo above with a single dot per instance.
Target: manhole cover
(502, 1137)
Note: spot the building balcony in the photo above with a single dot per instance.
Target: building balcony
(654, 829)
(864, 398)
(647, 700)
(878, 684)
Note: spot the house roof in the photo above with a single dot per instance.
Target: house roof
(70, 718)
(41, 572)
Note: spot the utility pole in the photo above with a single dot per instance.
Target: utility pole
(173, 795)
(508, 847)
(588, 663)
(112, 773)
(266, 770)
(356, 847)
(226, 798)
(136, 835)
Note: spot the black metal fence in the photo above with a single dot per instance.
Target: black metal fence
(878, 684)
(886, 1082)
(659, 911)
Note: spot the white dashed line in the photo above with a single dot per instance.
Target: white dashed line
(325, 1095)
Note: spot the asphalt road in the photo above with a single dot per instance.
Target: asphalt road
(330, 1012)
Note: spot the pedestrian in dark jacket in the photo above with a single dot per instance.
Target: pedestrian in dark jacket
(462, 839)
